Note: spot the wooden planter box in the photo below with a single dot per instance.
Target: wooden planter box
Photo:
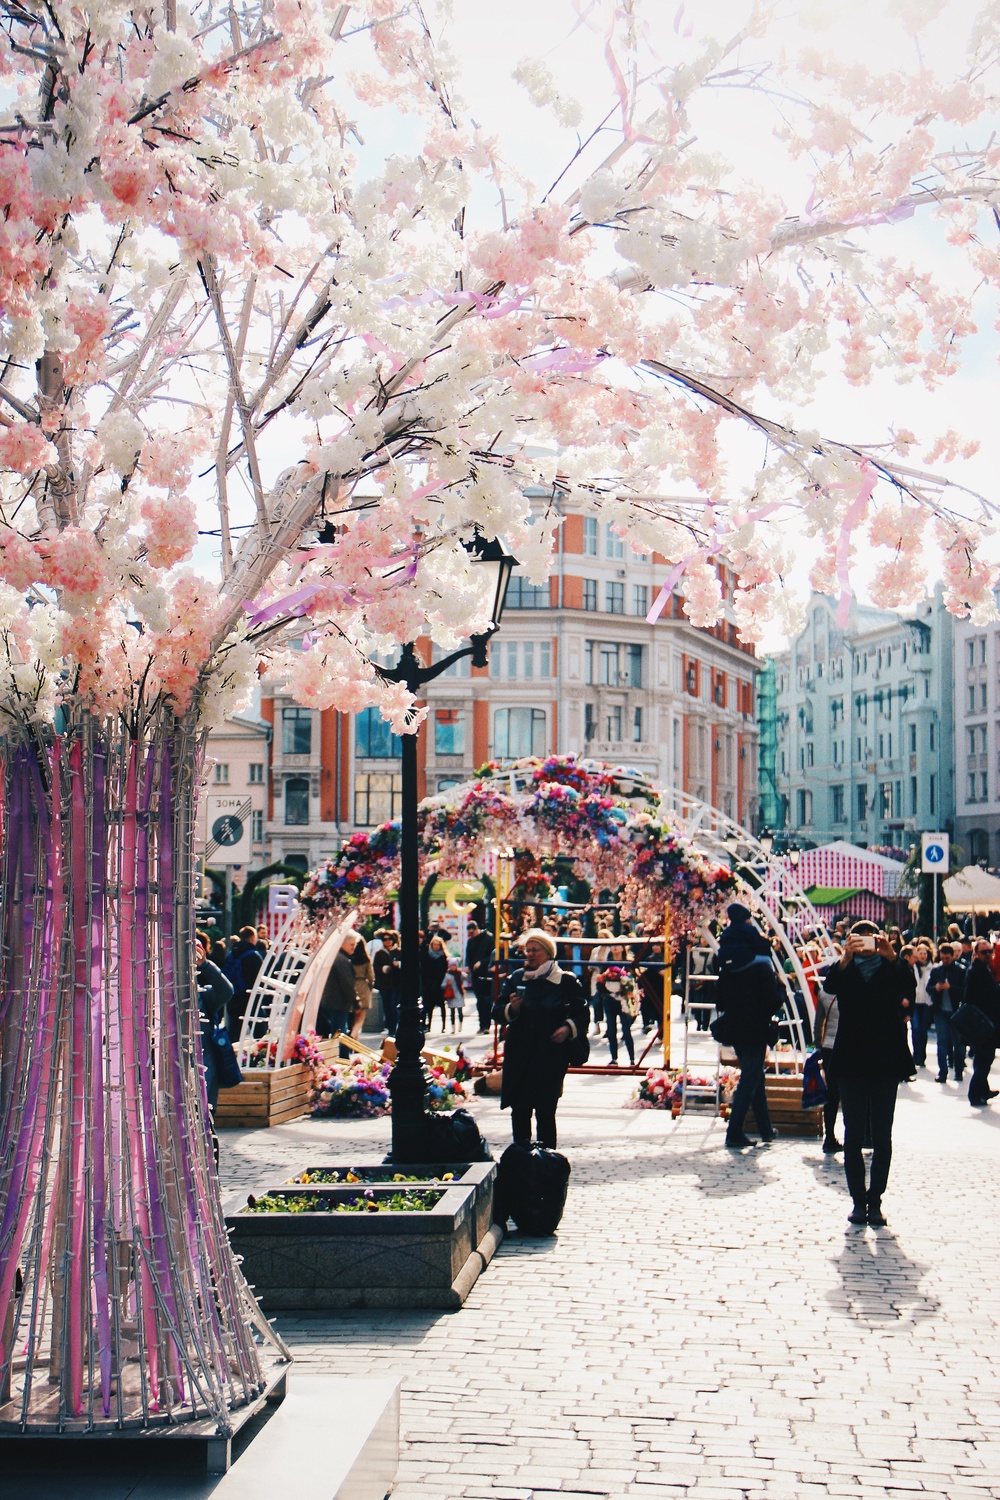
(270, 1096)
(784, 1104)
(324, 1262)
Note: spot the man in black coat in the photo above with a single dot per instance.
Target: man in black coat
(946, 988)
(478, 961)
(871, 1057)
(982, 991)
(544, 1009)
(747, 997)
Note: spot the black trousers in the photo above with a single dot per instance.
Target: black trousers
(484, 1002)
(832, 1104)
(982, 1062)
(545, 1119)
(867, 1103)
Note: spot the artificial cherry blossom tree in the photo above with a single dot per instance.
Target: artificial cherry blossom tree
(257, 369)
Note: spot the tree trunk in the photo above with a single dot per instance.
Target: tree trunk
(120, 1302)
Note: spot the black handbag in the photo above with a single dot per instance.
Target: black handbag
(227, 1068)
(722, 1029)
(973, 1025)
(578, 1050)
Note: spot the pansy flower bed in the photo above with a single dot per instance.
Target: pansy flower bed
(368, 1201)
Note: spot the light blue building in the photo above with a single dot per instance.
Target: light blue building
(864, 725)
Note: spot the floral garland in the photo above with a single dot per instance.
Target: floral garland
(263, 1052)
(626, 991)
(360, 1090)
(604, 818)
(662, 1088)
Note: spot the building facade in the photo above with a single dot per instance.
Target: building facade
(575, 668)
(863, 742)
(977, 742)
(237, 767)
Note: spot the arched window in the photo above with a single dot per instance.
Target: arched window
(297, 799)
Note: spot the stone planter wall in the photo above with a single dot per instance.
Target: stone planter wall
(324, 1261)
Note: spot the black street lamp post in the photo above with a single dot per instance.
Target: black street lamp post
(408, 1082)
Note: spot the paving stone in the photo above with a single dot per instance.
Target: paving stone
(703, 1325)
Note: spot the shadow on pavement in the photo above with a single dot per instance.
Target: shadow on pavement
(880, 1283)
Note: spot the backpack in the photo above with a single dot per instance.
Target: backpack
(451, 1137)
(531, 1188)
(233, 970)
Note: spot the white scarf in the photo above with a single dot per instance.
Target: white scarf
(550, 971)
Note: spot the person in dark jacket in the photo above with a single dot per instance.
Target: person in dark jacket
(946, 988)
(433, 969)
(871, 1057)
(387, 970)
(982, 991)
(336, 1006)
(214, 994)
(748, 996)
(740, 940)
(479, 961)
(543, 1008)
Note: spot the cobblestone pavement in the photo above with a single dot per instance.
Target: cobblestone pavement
(704, 1324)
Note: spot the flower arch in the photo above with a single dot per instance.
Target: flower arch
(608, 819)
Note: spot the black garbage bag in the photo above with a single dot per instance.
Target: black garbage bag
(452, 1138)
(531, 1188)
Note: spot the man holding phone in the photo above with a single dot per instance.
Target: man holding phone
(947, 990)
(871, 1058)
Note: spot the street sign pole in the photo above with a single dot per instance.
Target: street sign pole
(935, 880)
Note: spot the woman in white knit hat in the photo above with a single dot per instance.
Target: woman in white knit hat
(545, 1012)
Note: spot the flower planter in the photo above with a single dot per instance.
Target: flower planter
(322, 1261)
(270, 1096)
(784, 1105)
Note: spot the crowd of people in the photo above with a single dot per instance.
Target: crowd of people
(877, 1002)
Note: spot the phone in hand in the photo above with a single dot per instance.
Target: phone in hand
(867, 942)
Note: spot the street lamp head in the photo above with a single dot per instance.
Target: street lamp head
(490, 553)
(766, 840)
(794, 855)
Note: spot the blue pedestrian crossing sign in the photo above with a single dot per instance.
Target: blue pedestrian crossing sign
(934, 853)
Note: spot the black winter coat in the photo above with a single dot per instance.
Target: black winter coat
(871, 1026)
(534, 1066)
(982, 990)
(750, 998)
(955, 993)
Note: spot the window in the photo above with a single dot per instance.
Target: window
(982, 739)
(971, 648)
(613, 725)
(524, 595)
(984, 786)
(590, 593)
(641, 600)
(529, 660)
(885, 800)
(545, 658)
(511, 659)
(972, 786)
(256, 772)
(972, 697)
(608, 664)
(881, 747)
(913, 796)
(888, 740)
(932, 794)
(590, 536)
(296, 732)
(373, 738)
(449, 732)
(836, 752)
(913, 739)
(838, 804)
(810, 754)
(615, 598)
(256, 826)
(378, 798)
(637, 725)
(635, 666)
(971, 736)
(862, 802)
(517, 732)
(982, 696)
(297, 799)
(933, 726)
(982, 649)
(614, 547)
(221, 773)
(589, 722)
(495, 650)
(804, 807)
